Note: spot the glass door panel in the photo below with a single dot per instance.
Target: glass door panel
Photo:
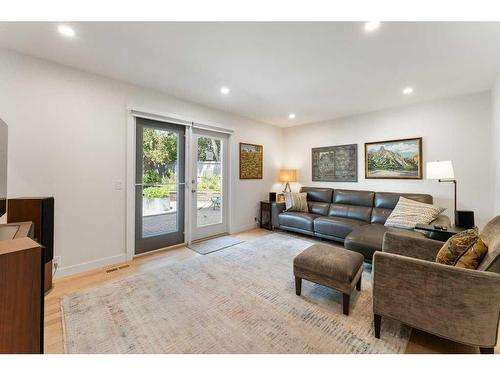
(159, 185)
(209, 184)
(209, 181)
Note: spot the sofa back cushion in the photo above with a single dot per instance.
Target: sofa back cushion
(317, 194)
(318, 208)
(318, 199)
(491, 237)
(384, 203)
(352, 204)
(350, 212)
(353, 197)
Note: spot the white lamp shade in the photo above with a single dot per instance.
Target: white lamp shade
(437, 170)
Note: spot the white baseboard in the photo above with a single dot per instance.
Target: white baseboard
(120, 258)
(243, 228)
(88, 266)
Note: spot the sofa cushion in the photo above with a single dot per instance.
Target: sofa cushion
(353, 197)
(299, 220)
(350, 212)
(390, 200)
(367, 239)
(319, 208)
(318, 194)
(336, 226)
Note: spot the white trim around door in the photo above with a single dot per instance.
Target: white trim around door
(132, 114)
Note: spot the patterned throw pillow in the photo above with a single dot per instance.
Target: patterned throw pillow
(296, 202)
(409, 213)
(464, 250)
(473, 257)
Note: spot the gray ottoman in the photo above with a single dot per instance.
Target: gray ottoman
(330, 266)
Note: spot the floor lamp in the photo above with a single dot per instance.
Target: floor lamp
(443, 172)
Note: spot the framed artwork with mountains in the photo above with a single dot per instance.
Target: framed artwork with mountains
(400, 159)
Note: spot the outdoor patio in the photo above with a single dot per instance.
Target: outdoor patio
(159, 224)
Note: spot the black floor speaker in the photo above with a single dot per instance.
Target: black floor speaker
(465, 219)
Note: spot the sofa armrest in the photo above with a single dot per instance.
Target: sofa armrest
(410, 245)
(441, 220)
(455, 303)
(277, 208)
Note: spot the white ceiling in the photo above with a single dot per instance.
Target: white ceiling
(317, 70)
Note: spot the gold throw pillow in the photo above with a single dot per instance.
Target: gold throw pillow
(473, 257)
(456, 246)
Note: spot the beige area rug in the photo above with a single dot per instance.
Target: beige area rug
(238, 300)
(214, 244)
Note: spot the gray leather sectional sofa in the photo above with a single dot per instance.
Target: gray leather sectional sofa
(353, 217)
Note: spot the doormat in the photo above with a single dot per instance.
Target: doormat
(214, 244)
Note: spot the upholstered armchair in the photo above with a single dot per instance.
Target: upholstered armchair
(459, 304)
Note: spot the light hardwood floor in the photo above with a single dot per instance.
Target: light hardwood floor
(420, 342)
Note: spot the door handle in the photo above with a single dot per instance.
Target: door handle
(193, 191)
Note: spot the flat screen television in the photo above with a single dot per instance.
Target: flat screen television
(3, 167)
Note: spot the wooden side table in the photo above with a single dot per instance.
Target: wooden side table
(266, 216)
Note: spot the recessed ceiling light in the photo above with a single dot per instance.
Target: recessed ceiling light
(371, 26)
(408, 90)
(291, 116)
(225, 90)
(66, 31)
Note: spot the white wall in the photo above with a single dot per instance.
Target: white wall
(495, 145)
(457, 129)
(67, 131)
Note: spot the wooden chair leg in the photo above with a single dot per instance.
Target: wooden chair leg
(345, 303)
(487, 350)
(358, 285)
(377, 321)
(298, 285)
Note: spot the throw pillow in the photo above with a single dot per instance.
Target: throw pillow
(296, 202)
(409, 213)
(457, 246)
(473, 257)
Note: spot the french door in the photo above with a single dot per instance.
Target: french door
(209, 184)
(159, 185)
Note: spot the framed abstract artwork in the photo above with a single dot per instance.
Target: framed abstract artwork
(251, 161)
(400, 159)
(335, 163)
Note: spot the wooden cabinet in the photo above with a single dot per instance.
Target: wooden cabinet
(21, 294)
(40, 211)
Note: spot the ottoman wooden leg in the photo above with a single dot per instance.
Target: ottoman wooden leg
(358, 285)
(377, 321)
(345, 303)
(298, 285)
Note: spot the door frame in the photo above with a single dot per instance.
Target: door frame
(200, 132)
(144, 244)
(132, 113)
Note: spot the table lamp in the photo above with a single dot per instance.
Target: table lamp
(287, 176)
(443, 172)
